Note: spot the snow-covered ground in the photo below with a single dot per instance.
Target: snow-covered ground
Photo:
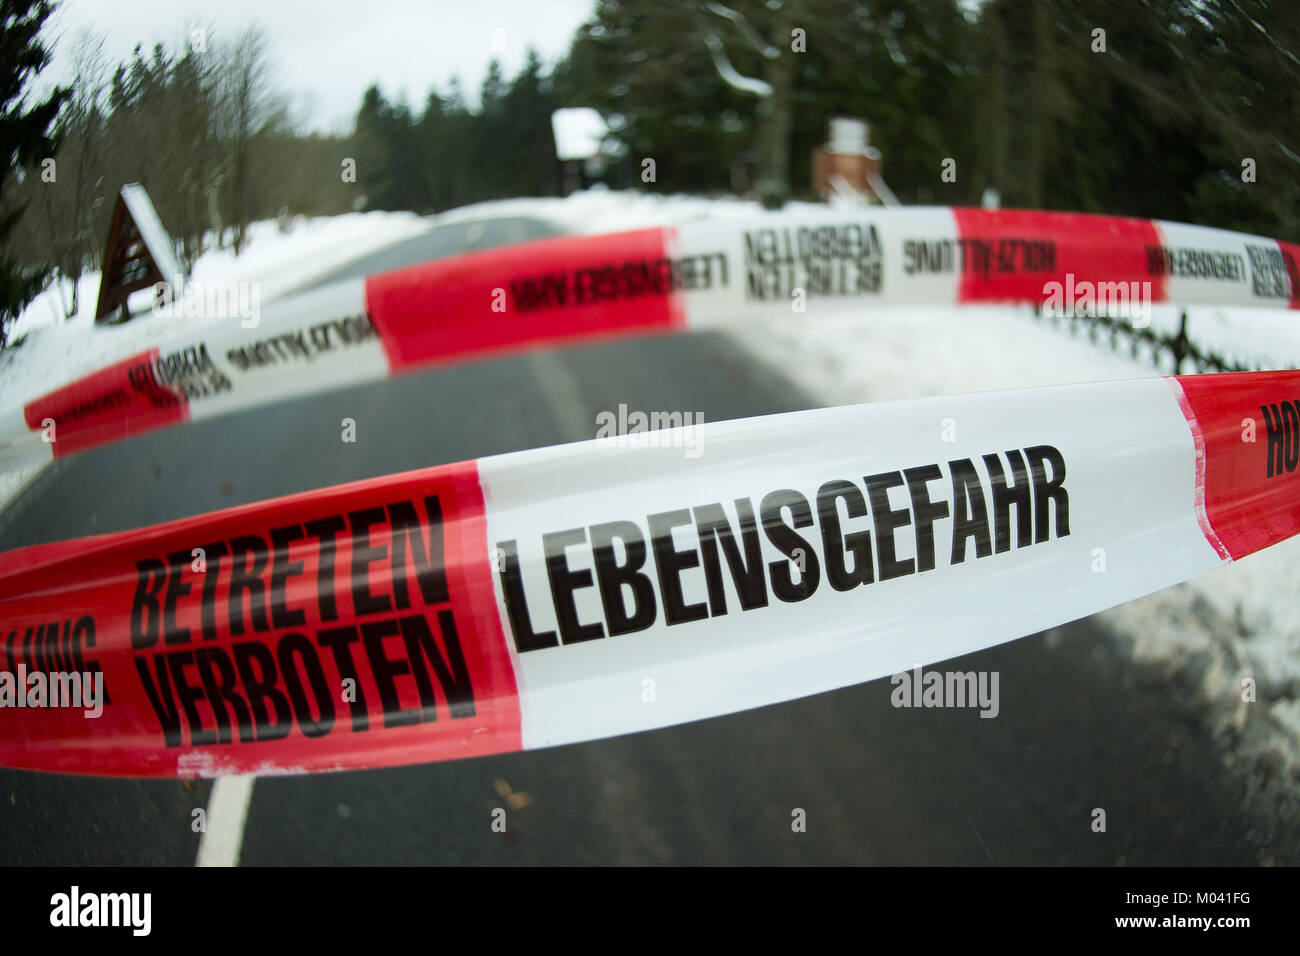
(601, 210)
(1240, 621)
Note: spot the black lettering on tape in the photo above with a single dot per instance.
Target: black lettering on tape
(746, 570)
(612, 577)
(786, 539)
(670, 563)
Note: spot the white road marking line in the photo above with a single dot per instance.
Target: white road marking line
(227, 810)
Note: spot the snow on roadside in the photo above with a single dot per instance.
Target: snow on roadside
(1250, 338)
(1241, 620)
(14, 481)
(603, 210)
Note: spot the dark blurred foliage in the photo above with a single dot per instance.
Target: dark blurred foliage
(26, 137)
(1158, 124)
(450, 156)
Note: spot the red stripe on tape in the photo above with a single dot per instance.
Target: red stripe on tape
(1010, 255)
(114, 403)
(1291, 262)
(1249, 426)
(344, 628)
(563, 289)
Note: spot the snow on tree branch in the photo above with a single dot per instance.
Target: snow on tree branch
(748, 32)
(729, 74)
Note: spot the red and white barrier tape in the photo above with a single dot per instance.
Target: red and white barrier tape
(533, 599)
(701, 275)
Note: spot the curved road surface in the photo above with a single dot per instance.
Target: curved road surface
(1079, 726)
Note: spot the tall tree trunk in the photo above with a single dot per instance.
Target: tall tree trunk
(776, 119)
(1039, 113)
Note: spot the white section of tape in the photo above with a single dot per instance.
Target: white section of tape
(1213, 266)
(1129, 474)
(284, 342)
(872, 257)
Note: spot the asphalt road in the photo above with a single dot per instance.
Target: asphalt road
(1079, 726)
(443, 241)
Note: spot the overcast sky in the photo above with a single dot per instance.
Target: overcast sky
(328, 51)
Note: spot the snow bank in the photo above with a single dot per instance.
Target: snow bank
(600, 210)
